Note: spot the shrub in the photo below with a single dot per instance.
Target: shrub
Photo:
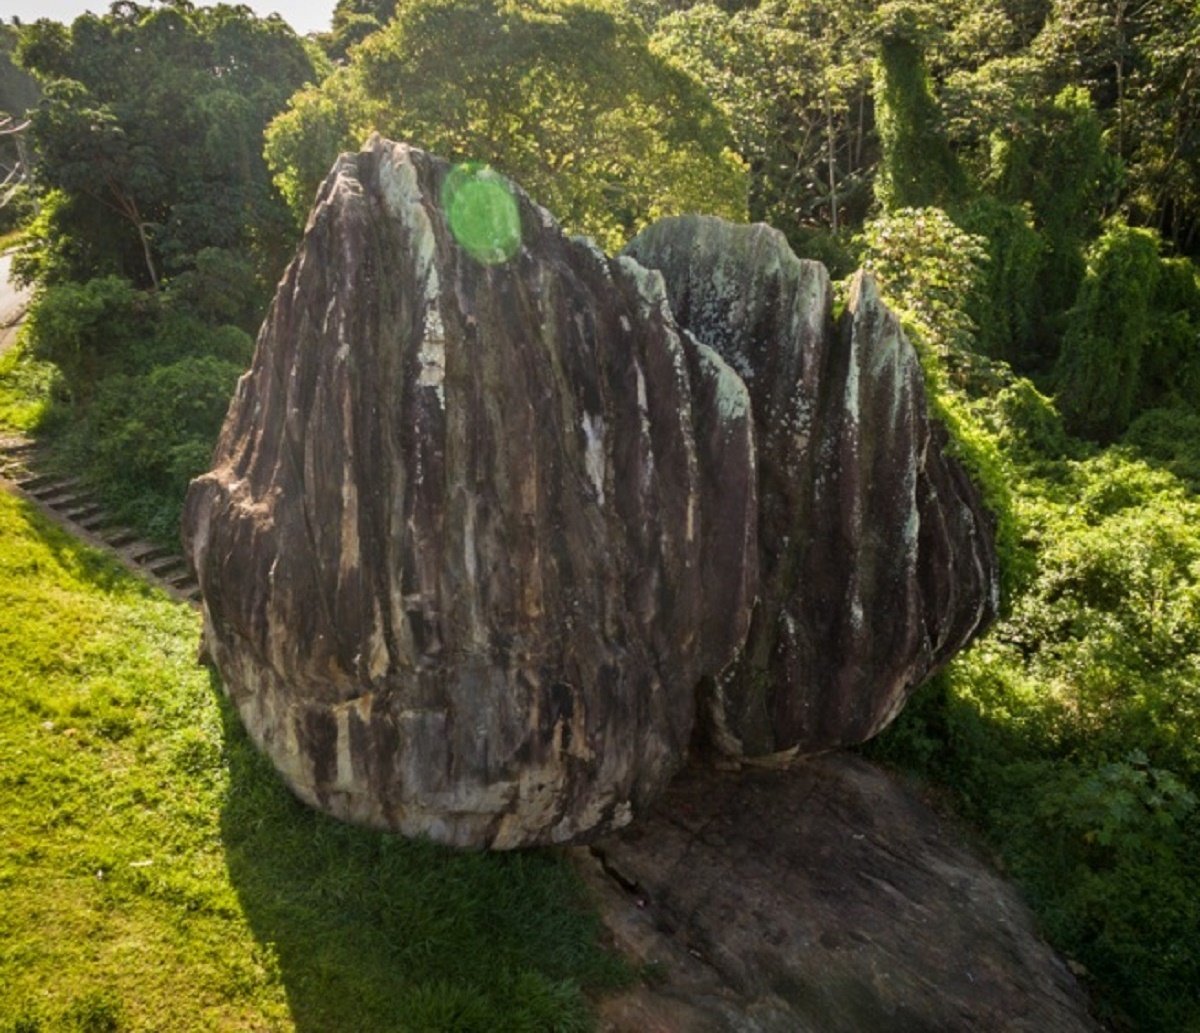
(1170, 371)
(157, 431)
(1170, 437)
(1004, 307)
(83, 327)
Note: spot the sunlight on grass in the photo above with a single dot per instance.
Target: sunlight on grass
(25, 385)
(155, 874)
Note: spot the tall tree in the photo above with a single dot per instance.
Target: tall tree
(794, 79)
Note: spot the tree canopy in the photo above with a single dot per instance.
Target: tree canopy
(565, 96)
(150, 136)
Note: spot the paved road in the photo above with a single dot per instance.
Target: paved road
(13, 302)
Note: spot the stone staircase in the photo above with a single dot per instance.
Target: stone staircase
(70, 504)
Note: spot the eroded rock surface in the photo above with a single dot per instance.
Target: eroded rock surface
(822, 899)
(473, 532)
(877, 557)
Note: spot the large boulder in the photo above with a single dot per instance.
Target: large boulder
(480, 518)
(877, 557)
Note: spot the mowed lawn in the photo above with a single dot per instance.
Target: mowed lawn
(155, 874)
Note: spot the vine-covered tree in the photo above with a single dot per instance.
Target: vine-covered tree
(1109, 326)
(917, 168)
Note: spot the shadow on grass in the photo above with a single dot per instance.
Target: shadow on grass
(374, 932)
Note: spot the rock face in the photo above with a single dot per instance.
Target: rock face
(821, 899)
(877, 558)
(474, 531)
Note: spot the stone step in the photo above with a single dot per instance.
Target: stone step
(34, 482)
(119, 537)
(20, 449)
(54, 487)
(64, 500)
(166, 566)
(83, 511)
(70, 499)
(145, 553)
(95, 522)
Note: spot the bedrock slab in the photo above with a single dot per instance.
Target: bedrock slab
(826, 898)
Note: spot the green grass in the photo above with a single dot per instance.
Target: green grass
(155, 874)
(25, 389)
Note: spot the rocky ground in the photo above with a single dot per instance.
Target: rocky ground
(826, 898)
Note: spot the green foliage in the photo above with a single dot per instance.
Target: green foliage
(930, 271)
(1003, 308)
(565, 97)
(1026, 425)
(137, 388)
(81, 328)
(219, 288)
(26, 387)
(152, 434)
(153, 864)
(917, 168)
(151, 127)
(19, 208)
(794, 79)
(1170, 367)
(1169, 438)
(1099, 367)
(1070, 732)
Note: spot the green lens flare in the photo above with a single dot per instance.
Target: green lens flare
(482, 212)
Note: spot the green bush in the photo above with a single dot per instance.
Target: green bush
(221, 287)
(1071, 732)
(1171, 438)
(18, 209)
(1170, 372)
(156, 431)
(83, 328)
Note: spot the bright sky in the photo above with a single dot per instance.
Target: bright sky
(303, 15)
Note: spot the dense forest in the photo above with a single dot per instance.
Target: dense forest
(1023, 177)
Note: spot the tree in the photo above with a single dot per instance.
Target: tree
(154, 116)
(565, 97)
(794, 80)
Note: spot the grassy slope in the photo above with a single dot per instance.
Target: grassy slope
(155, 874)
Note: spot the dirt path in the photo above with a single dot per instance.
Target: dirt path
(13, 303)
